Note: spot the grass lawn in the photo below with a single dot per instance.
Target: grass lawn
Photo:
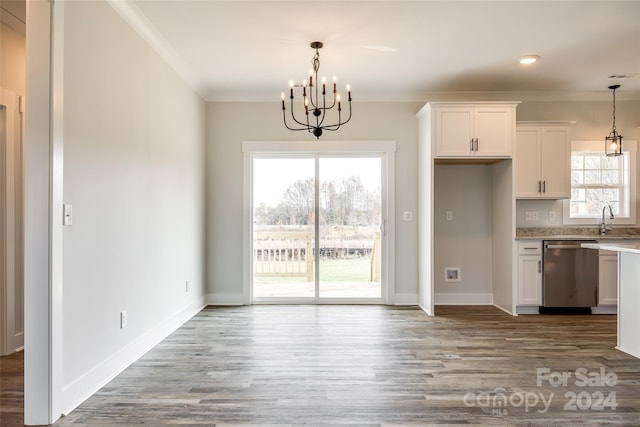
(335, 270)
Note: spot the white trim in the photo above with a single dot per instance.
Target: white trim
(56, 208)
(527, 309)
(7, 225)
(629, 146)
(82, 388)
(427, 312)
(463, 298)
(605, 309)
(225, 299)
(130, 13)
(504, 309)
(405, 298)
(385, 149)
(40, 398)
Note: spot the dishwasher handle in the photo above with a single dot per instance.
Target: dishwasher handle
(563, 247)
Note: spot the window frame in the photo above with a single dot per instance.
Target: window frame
(630, 148)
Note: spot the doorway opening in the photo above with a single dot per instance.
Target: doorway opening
(317, 227)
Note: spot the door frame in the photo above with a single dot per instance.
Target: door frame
(384, 149)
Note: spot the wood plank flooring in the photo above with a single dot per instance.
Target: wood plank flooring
(375, 365)
(12, 389)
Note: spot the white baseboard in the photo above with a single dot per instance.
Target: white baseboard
(506, 310)
(224, 299)
(405, 299)
(82, 388)
(527, 309)
(605, 309)
(463, 299)
(425, 310)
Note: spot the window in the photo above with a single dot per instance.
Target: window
(598, 181)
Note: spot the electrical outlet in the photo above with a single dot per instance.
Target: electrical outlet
(123, 319)
(449, 215)
(552, 215)
(531, 216)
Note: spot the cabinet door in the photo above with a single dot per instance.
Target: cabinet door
(494, 129)
(454, 131)
(527, 163)
(607, 278)
(555, 163)
(529, 280)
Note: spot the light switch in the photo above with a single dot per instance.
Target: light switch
(407, 216)
(67, 216)
(449, 215)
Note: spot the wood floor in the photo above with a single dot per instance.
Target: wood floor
(375, 365)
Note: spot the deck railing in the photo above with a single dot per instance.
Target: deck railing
(283, 254)
(290, 253)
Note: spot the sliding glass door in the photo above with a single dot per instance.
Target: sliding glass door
(317, 228)
(349, 227)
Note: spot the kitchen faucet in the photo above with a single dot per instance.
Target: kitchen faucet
(603, 224)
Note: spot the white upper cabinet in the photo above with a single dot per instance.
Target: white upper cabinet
(543, 160)
(473, 129)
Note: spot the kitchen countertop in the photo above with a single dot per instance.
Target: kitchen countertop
(633, 248)
(577, 233)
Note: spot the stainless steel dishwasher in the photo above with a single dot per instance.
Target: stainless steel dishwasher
(570, 277)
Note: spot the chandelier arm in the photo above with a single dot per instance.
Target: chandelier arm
(340, 122)
(293, 115)
(284, 116)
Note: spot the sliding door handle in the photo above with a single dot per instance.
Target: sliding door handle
(382, 230)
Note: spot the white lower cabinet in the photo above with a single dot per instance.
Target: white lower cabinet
(607, 277)
(530, 273)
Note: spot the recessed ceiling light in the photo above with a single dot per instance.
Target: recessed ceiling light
(529, 59)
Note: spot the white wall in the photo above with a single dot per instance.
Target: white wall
(134, 142)
(228, 124)
(593, 123)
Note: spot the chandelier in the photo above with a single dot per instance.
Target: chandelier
(613, 142)
(314, 102)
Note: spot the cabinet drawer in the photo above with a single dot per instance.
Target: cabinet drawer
(530, 248)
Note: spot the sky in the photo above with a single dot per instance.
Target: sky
(272, 176)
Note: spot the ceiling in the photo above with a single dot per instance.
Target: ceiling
(398, 50)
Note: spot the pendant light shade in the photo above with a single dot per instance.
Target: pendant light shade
(613, 142)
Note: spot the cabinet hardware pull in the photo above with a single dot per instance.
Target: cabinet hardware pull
(471, 144)
(544, 186)
(529, 249)
(476, 144)
(539, 266)
(539, 186)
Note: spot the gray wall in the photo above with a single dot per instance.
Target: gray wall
(228, 124)
(12, 78)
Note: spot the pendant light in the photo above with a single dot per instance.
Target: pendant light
(613, 142)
